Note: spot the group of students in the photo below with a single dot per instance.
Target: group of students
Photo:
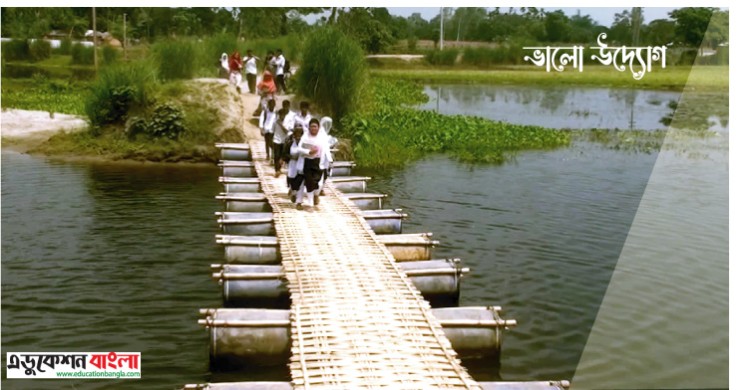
(302, 142)
(276, 67)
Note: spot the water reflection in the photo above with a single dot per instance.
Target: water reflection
(568, 107)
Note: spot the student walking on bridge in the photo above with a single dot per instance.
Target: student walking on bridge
(315, 158)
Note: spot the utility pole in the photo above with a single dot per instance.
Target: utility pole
(124, 34)
(96, 63)
(441, 28)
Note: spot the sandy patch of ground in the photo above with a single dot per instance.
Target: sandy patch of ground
(22, 129)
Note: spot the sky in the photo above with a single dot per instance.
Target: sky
(602, 15)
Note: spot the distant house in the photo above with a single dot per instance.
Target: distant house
(102, 36)
(55, 34)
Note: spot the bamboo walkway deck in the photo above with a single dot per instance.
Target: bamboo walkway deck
(357, 320)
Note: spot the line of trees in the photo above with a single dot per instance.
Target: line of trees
(374, 27)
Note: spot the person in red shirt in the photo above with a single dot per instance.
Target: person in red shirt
(235, 65)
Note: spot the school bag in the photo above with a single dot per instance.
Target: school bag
(287, 66)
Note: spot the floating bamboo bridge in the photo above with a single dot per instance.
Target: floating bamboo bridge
(357, 315)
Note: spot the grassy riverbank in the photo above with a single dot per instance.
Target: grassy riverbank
(203, 112)
(709, 78)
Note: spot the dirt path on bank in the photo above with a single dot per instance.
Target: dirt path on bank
(23, 129)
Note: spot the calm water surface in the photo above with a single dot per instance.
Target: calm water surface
(559, 107)
(100, 257)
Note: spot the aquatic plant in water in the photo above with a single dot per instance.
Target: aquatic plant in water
(392, 133)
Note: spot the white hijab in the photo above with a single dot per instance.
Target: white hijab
(325, 124)
(225, 61)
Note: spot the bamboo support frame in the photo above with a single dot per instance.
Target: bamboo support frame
(357, 321)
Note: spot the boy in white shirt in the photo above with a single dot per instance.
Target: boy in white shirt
(267, 121)
(251, 70)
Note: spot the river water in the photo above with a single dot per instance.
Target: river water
(614, 263)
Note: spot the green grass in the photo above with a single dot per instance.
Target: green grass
(202, 106)
(117, 146)
(713, 78)
(44, 95)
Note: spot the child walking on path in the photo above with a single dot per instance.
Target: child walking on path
(267, 123)
(317, 157)
(279, 136)
(294, 177)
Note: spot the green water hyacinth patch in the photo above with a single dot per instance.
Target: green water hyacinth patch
(393, 134)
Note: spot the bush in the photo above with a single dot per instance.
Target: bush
(333, 72)
(411, 44)
(81, 55)
(119, 90)
(39, 50)
(441, 57)
(482, 56)
(110, 54)
(167, 122)
(65, 46)
(16, 50)
(175, 59)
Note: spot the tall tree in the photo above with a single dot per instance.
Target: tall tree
(692, 23)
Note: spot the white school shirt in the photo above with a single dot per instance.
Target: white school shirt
(288, 122)
(280, 61)
(250, 65)
(303, 120)
(279, 132)
(324, 151)
(294, 158)
(267, 119)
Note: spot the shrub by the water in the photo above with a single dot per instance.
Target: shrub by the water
(176, 59)
(110, 54)
(119, 90)
(16, 50)
(441, 57)
(40, 50)
(167, 121)
(81, 55)
(333, 72)
(65, 46)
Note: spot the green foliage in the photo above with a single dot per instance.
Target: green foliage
(484, 57)
(81, 55)
(692, 23)
(176, 59)
(39, 50)
(110, 54)
(411, 44)
(66, 45)
(671, 78)
(333, 73)
(364, 26)
(391, 134)
(16, 50)
(119, 90)
(441, 57)
(167, 121)
(42, 94)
